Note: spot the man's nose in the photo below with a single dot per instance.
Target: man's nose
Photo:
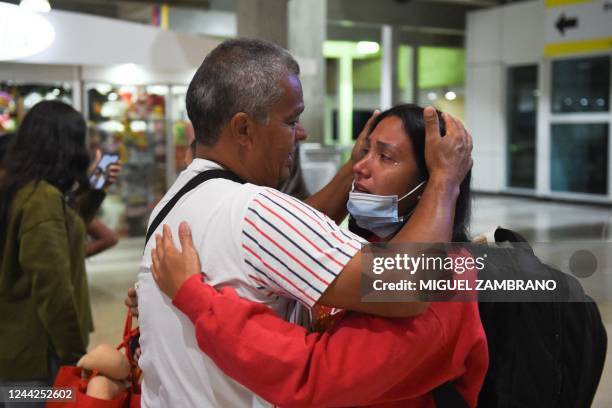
(300, 132)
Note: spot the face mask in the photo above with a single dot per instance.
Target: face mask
(376, 213)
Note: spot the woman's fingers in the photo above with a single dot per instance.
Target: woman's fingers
(154, 265)
(169, 266)
(185, 237)
(94, 162)
(167, 239)
(159, 246)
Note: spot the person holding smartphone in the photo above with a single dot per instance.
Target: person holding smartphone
(45, 203)
(106, 171)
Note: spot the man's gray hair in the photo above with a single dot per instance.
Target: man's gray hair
(239, 75)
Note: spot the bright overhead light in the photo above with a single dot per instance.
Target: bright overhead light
(367, 47)
(432, 96)
(41, 6)
(450, 95)
(23, 33)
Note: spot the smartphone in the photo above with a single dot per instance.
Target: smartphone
(98, 178)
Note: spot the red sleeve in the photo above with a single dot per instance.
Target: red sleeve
(356, 363)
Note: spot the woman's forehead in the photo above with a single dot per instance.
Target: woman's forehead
(390, 130)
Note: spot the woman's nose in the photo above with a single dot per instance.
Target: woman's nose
(362, 167)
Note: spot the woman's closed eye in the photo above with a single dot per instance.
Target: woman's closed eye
(386, 158)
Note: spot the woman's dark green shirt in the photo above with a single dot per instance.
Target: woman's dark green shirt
(44, 297)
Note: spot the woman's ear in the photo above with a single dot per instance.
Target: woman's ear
(242, 129)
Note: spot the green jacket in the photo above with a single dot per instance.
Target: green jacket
(44, 297)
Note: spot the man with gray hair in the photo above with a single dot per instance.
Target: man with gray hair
(245, 102)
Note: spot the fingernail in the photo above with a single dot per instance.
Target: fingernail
(429, 111)
(184, 228)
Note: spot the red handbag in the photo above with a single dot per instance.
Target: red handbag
(70, 377)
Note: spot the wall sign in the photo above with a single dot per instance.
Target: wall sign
(576, 26)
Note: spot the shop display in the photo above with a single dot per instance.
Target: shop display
(182, 130)
(17, 98)
(130, 121)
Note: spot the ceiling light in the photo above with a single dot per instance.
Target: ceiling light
(23, 33)
(450, 95)
(367, 47)
(41, 6)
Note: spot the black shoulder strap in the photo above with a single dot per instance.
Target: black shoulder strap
(191, 184)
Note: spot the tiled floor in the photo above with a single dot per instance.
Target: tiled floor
(111, 273)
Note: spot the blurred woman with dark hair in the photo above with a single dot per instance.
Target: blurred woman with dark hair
(44, 298)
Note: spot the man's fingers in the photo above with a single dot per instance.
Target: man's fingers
(132, 293)
(368, 126)
(450, 125)
(470, 141)
(185, 236)
(432, 126)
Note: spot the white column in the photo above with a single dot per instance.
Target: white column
(307, 21)
(345, 100)
(415, 74)
(389, 92)
(265, 19)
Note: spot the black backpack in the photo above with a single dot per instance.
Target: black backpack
(541, 354)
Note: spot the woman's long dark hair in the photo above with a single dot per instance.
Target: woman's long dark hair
(50, 146)
(412, 118)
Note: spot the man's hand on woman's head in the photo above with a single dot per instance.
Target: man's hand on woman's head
(356, 153)
(448, 158)
(171, 267)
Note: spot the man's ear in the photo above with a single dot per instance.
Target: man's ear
(242, 129)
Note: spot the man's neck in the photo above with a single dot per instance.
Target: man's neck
(219, 154)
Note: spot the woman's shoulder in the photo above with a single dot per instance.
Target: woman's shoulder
(39, 202)
(39, 191)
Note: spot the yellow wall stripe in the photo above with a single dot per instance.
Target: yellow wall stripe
(573, 47)
(557, 3)
(164, 16)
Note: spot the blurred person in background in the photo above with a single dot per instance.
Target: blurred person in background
(45, 203)
(101, 237)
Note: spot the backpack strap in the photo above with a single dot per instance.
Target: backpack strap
(191, 184)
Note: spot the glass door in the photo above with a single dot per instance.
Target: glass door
(521, 116)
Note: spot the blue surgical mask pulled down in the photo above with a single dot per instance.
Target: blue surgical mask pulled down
(377, 213)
